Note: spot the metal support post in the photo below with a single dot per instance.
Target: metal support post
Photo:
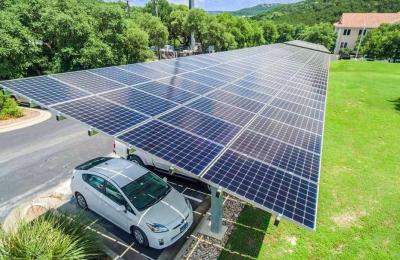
(217, 211)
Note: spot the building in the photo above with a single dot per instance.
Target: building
(354, 25)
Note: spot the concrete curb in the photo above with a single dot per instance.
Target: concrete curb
(50, 199)
(43, 116)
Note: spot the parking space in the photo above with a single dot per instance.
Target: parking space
(120, 245)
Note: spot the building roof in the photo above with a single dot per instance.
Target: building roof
(367, 20)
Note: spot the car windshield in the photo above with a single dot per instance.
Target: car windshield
(146, 191)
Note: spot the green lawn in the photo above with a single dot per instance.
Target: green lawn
(359, 199)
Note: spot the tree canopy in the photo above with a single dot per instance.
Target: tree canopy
(383, 43)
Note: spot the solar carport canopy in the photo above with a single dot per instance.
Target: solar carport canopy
(248, 121)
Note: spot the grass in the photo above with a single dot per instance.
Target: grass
(51, 236)
(359, 199)
(9, 108)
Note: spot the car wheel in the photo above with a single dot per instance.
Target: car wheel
(140, 237)
(81, 201)
(136, 159)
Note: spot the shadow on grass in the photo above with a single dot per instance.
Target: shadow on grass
(248, 235)
(396, 103)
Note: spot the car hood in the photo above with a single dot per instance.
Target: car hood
(169, 212)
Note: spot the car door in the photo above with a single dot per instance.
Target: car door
(113, 200)
(93, 191)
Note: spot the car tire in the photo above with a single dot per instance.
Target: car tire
(136, 159)
(81, 201)
(140, 237)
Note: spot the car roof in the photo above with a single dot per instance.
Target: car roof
(121, 171)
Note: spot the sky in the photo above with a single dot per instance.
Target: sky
(219, 5)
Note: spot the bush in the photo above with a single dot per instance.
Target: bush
(51, 236)
(9, 108)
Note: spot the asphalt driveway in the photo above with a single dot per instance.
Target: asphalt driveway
(36, 158)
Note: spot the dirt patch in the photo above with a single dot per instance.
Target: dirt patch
(28, 115)
(292, 240)
(349, 219)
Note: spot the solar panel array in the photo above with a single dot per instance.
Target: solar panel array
(249, 121)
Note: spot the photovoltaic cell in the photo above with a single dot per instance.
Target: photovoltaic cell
(298, 109)
(88, 81)
(221, 110)
(188, 85)
(293, 119)
(300, 162)
(120, 75)
(166, 91)
(140, 101)
(144, 71)
(165, 67)
(203, 79)
(237, 101)
(275, 190)
(206, 126)
(44, 90)
(247, 93)
(101, 114)
(176, 146)
(213, 74)
(287, 133)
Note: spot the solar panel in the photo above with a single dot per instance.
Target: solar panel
(216, 75)
(108, 117)
(166, 91)
(145, 71)
(275, 190)
(187, 84)
(88, 81)
(247, 93)
(201, 124)
(224, 111)
(248, 121)
(168, 68)
(203, 79)
(237, 101)
(120, 75)
(140, 101)
(176, 146)
(44, 90)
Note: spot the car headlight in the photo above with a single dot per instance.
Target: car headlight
(157, 228)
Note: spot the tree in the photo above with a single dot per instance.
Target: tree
(134, 45)
(196, 21)
(176, 25)
(285, 32)
(322, 33)
(159, 8)
(18, 47)
(157, 32)
(270, 31)
(383, 43)
(218, 36)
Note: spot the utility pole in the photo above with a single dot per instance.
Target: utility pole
(192, 39)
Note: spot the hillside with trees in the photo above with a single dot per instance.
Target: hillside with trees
(255, 10)
(311, 12)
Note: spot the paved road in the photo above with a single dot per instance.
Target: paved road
(36, 158)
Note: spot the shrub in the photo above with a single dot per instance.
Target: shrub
(9, 108)
(51, 236)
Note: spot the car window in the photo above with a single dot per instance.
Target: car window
(113, 194)
(95, 181)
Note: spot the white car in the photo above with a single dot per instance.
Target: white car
(133, 198)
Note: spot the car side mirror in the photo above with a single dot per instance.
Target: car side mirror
(121, 208)
(165, 179)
